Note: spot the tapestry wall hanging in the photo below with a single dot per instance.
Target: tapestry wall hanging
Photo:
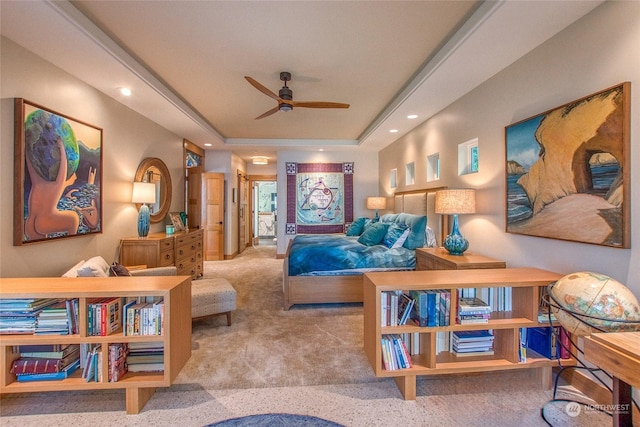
(57, 175)
(319, 197)
(568, 171)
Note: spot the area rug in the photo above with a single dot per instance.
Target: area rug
(276, 420)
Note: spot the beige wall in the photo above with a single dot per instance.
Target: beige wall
(127, 139)
(599, 51)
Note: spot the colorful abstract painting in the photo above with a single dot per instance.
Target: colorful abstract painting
(58, 164)
(319, 197)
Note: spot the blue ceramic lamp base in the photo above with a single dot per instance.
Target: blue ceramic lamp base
(455, 243)
(144, 218)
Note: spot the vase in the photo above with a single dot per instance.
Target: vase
(455, 243)
(144, 218)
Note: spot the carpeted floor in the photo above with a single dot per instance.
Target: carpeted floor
(307, 361)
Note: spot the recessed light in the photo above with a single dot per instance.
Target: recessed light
(208, 144)
(320, 149)
(393, 130)
(412, 116)
(125, 91)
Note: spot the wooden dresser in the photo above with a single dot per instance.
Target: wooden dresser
(183, 249)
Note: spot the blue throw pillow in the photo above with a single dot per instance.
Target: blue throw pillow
(356, 227)
(417, 224)
(373, 234)
(394, 234)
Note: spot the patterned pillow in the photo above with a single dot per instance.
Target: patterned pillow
(396, 235)
(118, 270)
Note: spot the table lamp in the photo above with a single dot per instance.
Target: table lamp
(376, 203)
(143, 192)
(455, 202)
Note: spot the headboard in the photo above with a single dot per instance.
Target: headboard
(421, 202)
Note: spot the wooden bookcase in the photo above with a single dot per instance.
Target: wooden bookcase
(176, 291)
(525, 283)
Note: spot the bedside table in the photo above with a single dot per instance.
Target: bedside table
(441, 259)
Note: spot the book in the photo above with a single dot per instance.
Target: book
(63, 351)
(64, 373)
(473, 304)
(405, 306)
(474, 353)
(146, 367)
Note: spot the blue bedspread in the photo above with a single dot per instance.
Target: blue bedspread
(326, 254)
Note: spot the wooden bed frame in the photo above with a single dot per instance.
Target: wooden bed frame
(344, 289)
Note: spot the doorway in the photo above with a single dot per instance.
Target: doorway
(265, 212)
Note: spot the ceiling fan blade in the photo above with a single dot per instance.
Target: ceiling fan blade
(319, 104)
(261, 88)
(268, 113)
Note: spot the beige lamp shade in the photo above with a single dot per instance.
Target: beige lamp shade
(144, 192)
(376, 202)
(456, 201)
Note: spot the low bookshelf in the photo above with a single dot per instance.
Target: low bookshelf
(175, 337)
(525, 285)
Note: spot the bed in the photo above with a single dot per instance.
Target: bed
(331, 281)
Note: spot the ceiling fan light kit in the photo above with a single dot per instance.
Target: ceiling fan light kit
(285, 97)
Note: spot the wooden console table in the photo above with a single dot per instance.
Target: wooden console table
(618, 353)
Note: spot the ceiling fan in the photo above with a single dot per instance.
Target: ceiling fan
(285, 97)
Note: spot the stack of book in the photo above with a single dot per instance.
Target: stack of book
(117, 361)
(143, 318)
(395, 354)
(550, 342)
(92, 362)
(57, 319)
(395, 308)
(432, 307)
(45, 361)
(145, 357)
(473, 310)
(104, 316)
(18, 316)
(472, 343)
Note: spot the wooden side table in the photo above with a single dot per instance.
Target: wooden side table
(441, 259)
(618, 353)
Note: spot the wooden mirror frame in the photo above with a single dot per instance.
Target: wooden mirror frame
(165, 187)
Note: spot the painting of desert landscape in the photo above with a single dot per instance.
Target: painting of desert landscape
(567, 171)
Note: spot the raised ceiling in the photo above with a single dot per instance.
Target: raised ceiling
(186, 61)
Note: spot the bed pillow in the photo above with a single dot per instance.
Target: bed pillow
(357, 227)
(373, 234)
(430, 238)
(417, 224)
(396, 236)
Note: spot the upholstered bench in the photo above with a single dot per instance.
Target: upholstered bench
(211, 297)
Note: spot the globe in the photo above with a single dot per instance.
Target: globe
(598, 303)
(41, 133)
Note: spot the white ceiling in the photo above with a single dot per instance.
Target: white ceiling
(186, 61)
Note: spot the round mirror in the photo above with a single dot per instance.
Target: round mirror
(154, 170)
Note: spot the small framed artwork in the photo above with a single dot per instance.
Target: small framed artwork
(58, 175)
(176, 220)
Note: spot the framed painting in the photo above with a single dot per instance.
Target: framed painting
(568, 171)
(57, 175)
(176, 220)
(319, 197)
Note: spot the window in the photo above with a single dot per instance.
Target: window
(410, 175)
(468, 157)
(433, 167)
